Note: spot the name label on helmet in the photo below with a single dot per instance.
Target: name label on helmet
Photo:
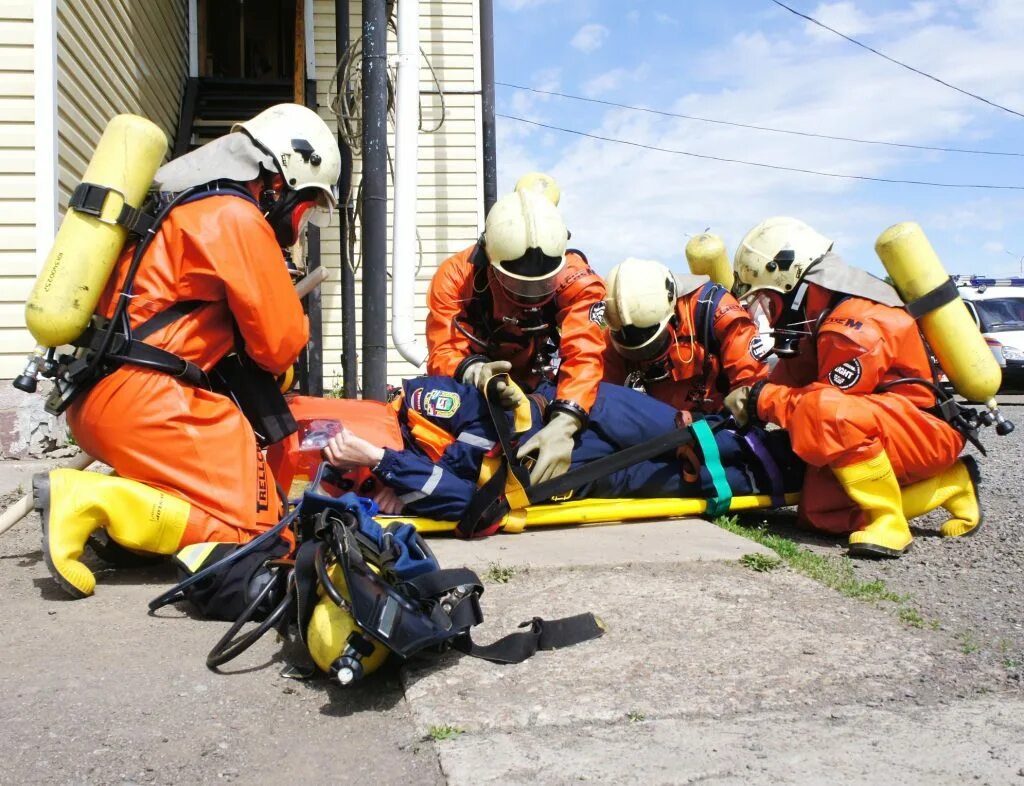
(845, 375)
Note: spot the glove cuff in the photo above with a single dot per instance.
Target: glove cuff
(464, 366)
(755, 394)
(569, 408)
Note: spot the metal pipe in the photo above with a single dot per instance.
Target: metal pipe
(375, 199)
(403, 249)
(349, 351)
(490, 143)
(314, 381)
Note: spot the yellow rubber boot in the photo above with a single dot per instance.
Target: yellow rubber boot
(75, 503)
(873, 486)
(956, 490)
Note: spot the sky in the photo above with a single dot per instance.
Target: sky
(749, 61)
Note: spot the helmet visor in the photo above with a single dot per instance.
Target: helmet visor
(533, 264)
(635, 343)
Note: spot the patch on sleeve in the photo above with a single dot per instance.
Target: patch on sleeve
(440, 403)
(845, 375)
(597, 313)
(758, 348)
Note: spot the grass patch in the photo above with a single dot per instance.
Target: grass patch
(834, 572)
(499, 574)
(443, 732)
(912, 617)
(760, 563)
(968, 644)
(635, 716)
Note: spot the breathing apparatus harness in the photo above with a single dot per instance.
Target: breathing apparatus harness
(536, 325)
(386, 579)
(108, 344)
(966, 420)
(709, 296)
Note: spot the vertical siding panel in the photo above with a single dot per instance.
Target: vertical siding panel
(17, 184)
(450, 181)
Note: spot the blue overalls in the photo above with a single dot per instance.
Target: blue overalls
(437, 481)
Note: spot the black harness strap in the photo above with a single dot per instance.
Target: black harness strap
(542, 635)
(938, 297)
(489, 505)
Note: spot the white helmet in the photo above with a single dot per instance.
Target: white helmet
(525, 238)
(540, 183)
(776, 254)
(640, 303)
(304, 148)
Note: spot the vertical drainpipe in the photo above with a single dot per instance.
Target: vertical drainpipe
(490, 144)
(403, 247)
(375, 199)
(314, 308)
(349, 352)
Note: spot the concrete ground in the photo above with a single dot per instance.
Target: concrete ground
(709, 671)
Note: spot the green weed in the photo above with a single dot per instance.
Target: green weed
(499, 574)
(635, 716)
(760, 563)
(443, 732)
(834, 572)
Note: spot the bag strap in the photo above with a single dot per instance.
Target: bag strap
(541, 635)
(718, 504)
(753, 441)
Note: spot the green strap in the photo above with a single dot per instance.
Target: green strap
(718, 504)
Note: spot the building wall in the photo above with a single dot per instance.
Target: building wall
(17, 183)
(450, 184)
(115, 57)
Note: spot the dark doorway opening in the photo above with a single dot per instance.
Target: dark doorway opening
(247, 39)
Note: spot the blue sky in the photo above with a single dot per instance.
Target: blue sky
(750, 61)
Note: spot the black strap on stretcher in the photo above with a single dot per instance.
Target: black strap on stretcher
(490, 504)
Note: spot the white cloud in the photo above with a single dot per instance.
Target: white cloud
(613, 80)
(590, 38)
(621, 201)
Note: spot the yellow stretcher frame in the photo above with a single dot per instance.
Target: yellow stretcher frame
(587, 512)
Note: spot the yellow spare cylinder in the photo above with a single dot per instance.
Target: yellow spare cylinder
(954, 336)
(706, 256)
(330, 627)
(86, 247)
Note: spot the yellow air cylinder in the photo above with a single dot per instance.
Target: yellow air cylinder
(540, 183)
(86, 247)
(954, 336)
(706, 256)
(329, 629)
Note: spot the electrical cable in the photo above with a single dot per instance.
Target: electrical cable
(762, 165)
(918, 71)
(753, 127)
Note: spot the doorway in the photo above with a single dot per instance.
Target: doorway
(246, 39)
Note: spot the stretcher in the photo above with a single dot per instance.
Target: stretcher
(597, 512)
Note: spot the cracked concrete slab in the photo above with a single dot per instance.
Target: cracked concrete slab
(632, 543)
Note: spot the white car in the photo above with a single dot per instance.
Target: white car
(997, 305)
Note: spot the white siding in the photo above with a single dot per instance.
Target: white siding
(115, 56)
(17, 185)
(450, 190)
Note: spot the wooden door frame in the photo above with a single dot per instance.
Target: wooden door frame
(197, 36)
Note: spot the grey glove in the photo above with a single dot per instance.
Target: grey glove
(479, 374)
(553, 445)
(737, 402)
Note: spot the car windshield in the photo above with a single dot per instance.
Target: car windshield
(1000, 314)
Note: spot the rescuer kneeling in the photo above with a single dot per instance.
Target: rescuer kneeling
(211, 282)
(853, 387)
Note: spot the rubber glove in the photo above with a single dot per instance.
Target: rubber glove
(553, 445)
(479, 374)
(736, 402)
